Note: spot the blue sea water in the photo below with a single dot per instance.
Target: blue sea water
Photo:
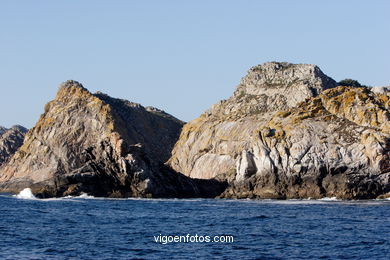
(89, 228)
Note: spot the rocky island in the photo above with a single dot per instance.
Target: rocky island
(102, 146)
(288, 131)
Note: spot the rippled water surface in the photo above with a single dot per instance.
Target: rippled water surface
(86, 228)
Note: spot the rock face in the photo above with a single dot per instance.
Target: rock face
(210, 145)
(10, 140)
(99, 145)
(334, 145)
(289, 132)
(381, 90)
(2, 130)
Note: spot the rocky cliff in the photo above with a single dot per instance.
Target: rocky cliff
(210, 145)
(99, 145)
(289, 132)
(334, 145)
(10, 140)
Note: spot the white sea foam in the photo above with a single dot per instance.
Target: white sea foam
(25, 194)
(81, 196)
(85, 196)
(329, 199)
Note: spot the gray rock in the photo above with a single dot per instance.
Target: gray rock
(2, 130)
(102, 146)
(320, 149)
(10, 140)
(381, 90)
(210, 145)
(289, 132)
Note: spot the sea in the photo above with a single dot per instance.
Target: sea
(85, 227)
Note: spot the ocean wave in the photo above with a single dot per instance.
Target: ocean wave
(329, 199)
(72, 198)
(25, 194)
(85, 196)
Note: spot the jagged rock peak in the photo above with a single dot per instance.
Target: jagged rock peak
(20, 128)
(14, 127)
(286, 69)
(72, 89)
(82, 137)
(280, 66)
(72, 84)
(271, 87)
(291, 83)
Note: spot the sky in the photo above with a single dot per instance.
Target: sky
(179, 56)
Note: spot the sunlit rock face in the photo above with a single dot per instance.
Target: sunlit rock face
(209, 145)
(289, 132)
(95, 144)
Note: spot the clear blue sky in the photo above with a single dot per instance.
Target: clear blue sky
(180, 56)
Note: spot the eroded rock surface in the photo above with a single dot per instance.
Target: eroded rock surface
(99, 145)
(333, 145)
(289, 132)
(209, 145)
(10, 140)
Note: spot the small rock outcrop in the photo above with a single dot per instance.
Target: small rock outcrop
(10, 140)
(102, 146)
(289, 132)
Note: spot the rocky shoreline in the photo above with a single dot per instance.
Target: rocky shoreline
(288, 132)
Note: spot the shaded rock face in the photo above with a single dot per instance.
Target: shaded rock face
(209, 145)
(2, 130)
(10, 140)
(289, 132)
(99, 145)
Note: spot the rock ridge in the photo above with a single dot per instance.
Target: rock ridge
(93, 143)
(209, 145)
(288, 131)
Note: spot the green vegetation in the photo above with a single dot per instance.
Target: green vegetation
(242, 94)
(349, 83)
